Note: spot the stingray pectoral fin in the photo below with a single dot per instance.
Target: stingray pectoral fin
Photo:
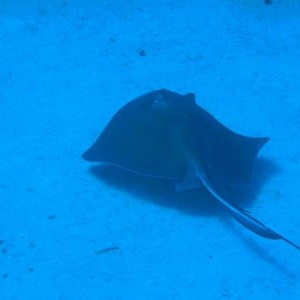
(257, 227)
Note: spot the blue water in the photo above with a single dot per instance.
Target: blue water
(65, 68)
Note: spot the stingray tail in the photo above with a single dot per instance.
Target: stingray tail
(245, 219)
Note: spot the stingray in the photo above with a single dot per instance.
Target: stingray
(167, 135)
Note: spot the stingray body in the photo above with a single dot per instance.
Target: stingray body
(165, 134)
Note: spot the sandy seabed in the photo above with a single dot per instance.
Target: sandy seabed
(71, 232)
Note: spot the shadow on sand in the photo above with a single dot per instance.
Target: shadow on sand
(194, 201)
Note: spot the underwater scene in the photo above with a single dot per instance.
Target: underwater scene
(150, 149)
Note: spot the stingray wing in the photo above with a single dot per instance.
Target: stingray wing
(228, 157)
(138, 138)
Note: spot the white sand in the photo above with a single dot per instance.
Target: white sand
(65, 68)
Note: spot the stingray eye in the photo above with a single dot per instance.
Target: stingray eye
(159, 102)
(158, 98)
